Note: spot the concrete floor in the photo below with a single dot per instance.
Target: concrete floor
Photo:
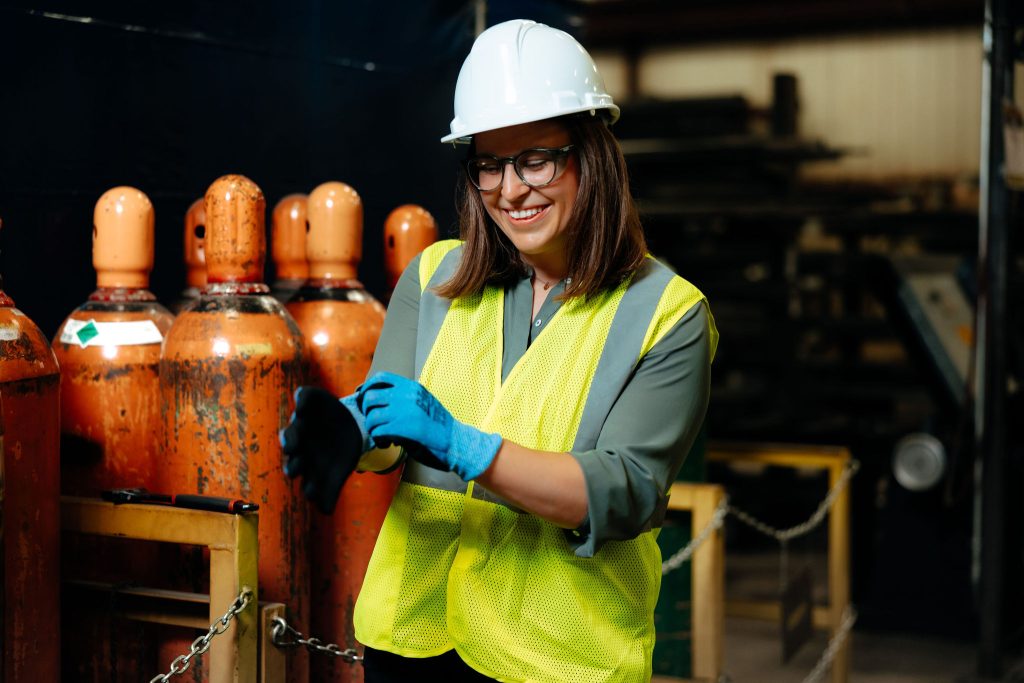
(752, 656)
(752, 649)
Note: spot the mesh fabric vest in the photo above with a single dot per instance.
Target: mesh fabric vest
(454, 566)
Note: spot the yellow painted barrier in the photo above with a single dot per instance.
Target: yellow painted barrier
(834, 460)
(232, 541)
(707, 576)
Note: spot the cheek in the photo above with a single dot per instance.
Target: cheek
(494, 212)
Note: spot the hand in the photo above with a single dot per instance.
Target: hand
(322, 444)
(402, 411)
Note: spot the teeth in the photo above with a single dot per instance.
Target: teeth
(526, 213)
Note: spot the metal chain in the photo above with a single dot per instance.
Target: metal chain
(201, 644)
(834, 643)
(279, 629)
(682, 556)
(783, 535)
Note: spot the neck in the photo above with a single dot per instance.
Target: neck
(543, 283)
(547, 272)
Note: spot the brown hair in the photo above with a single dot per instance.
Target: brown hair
(604, 240)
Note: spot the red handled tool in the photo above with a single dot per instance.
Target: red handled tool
(191, 501)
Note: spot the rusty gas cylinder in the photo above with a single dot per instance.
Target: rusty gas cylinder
(231, 362)
(408, 230)
(109, 354)
(195, 255)
(288, 246)
(30, 385)
(3, 488)
(341, 322)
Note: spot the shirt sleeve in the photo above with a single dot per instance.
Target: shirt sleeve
(396, 348)
(646, 436)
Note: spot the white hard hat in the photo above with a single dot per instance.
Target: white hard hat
(521, 71)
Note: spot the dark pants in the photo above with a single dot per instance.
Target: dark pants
(384, 667)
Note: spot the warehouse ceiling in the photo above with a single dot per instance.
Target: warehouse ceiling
(641, 23)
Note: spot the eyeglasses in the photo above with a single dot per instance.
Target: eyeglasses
(536, 167)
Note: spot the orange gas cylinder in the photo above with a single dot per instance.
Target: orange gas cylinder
(30, 384)
(195, 255)
(288, 246)
(341, 323)
(230, 364)
(3, 488)
(109, 354)
(408, 230)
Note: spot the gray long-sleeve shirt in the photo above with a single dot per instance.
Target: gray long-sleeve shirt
(646, 435)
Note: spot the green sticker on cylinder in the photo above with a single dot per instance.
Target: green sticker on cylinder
(87, 332)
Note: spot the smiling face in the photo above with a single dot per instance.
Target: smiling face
(533, 219)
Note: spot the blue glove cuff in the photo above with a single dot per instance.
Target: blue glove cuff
(350, 404)
(471, 451)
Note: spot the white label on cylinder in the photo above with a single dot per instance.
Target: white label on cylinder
(129, 333)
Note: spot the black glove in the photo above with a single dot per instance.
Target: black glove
(322, 444)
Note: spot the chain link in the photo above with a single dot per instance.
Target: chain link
(683, 555)
(783, 535)
(201, 644)
(834, 643)
(284, 636)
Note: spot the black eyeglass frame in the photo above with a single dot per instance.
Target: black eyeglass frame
(556, 152)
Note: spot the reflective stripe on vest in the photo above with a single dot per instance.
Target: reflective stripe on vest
(502, 587)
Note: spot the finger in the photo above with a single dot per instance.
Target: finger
(374, 399)
(369, 389)
(309, 488)
(387, 432)
(302, 397)
(293, 461)
(383, 379)
(385, 440)
(291, 436)
(377, 418)
(386, 377)
(292, 467)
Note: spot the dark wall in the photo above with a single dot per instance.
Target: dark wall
(166, 97)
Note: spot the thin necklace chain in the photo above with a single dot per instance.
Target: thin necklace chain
(544, 283)
(548, 285)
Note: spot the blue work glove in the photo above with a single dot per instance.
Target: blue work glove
(401, 411)
(322, 444)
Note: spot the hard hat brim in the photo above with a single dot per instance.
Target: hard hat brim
(464, 137)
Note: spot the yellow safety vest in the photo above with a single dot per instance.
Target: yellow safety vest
(454, 566)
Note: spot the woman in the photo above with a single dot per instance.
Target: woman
(546, 379)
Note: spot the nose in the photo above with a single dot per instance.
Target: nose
(512, 186)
